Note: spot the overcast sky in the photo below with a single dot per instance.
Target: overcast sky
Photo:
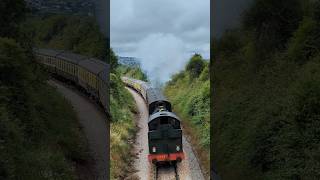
(162, 33)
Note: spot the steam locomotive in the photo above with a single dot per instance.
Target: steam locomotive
(164, 130)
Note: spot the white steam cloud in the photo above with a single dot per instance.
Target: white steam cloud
(161, 56)
(163, 34)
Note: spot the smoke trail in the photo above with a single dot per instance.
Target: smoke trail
(161, 56)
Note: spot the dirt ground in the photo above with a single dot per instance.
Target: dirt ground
(94, 124)
(188, 169)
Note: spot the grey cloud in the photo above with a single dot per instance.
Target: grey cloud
(160, 32)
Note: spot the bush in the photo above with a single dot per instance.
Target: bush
(189, 93)
(133, 72)
(122, 129)
(195, 65)
(12, 12)
(74, 33)
(40, 137)
(266, 96)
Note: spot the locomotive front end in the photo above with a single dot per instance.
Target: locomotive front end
(165, 138)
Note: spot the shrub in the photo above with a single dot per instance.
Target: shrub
(195, 65)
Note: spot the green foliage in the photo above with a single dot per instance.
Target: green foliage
(133, 72)
(113, 60)
(82, 35)
(39, 137)
(123, 127)
(75, 33)
(195, 65)
(266, 109)
(190, 95)
(273, 21)
(12, 12)
(305, 42)
(316, 11)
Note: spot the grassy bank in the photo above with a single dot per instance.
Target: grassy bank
(189, 93)
(123, 128)
(133, 72)
(266, 76)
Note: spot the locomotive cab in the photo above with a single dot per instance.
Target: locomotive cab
(165, 137)
(164, 122)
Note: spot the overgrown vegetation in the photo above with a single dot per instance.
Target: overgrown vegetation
(189, 93)
(39, 133)
(79, 34)
(267, 93)
(123, 128)
(133, 72)
(40, 137)
(82, 35)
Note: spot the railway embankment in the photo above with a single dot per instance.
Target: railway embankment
(189, 93)
(93, 122)
(40, 137)
(122, 129)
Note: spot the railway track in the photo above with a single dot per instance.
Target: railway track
(165, 172)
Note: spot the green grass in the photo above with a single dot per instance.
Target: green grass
(122, 129)
(123, 126)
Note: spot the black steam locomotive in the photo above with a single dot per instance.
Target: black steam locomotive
(164, 133)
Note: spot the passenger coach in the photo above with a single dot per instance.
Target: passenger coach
(87, 73)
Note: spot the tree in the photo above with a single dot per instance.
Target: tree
(113, 60)
(12, 12)
(195, 66)
(273, 21)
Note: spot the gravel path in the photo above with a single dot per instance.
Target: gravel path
(188, 169)
(166, 173)
(141, 145)
(94, 123)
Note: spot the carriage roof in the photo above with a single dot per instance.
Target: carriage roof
(71, 57)
(163, 114)
(48, 52)
(93, 65)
